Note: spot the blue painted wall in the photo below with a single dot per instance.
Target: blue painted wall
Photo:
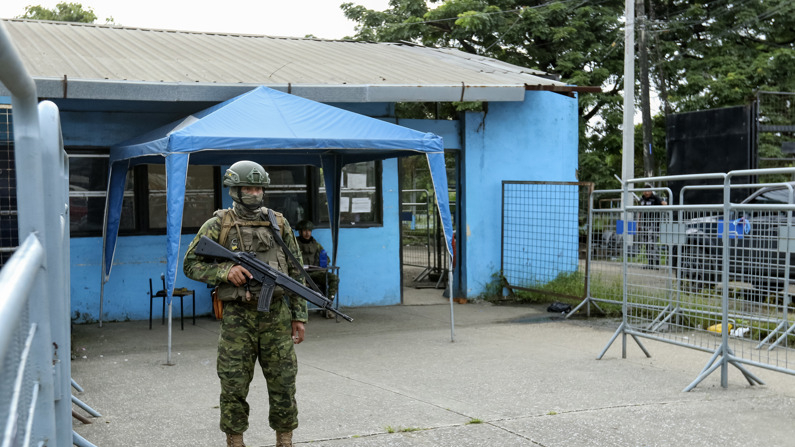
(137, 259)
(369, 273)
(535, 140)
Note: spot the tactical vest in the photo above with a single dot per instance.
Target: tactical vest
(252, 236)
(310, 251)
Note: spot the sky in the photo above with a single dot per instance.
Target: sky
(294, 18)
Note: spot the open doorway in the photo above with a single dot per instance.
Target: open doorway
(424, 259)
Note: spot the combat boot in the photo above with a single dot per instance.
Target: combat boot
(234, 440)
(327, 313)
(284, 439)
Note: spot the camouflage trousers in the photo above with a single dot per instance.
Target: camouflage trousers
(320, 278)
(246, 336)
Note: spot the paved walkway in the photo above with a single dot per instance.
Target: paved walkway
(393, 378)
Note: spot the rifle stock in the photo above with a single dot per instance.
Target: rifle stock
(265, 274)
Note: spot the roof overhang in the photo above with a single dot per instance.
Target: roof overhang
(49, 88)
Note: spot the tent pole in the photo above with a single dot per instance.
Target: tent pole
(168, 355)
(101, 299)
(450, 288)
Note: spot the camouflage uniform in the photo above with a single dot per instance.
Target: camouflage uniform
(310, 250)
(246, 334)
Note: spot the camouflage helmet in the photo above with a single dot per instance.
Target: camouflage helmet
(246, 173)
(305, 225)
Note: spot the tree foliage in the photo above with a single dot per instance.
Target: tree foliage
(704, 53)
(718, 53)
(721, 53)
(63, 12)
(577, 41)
(574, 40)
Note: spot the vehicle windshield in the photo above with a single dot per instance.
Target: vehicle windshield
(773, 196)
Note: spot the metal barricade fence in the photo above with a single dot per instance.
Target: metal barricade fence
(17, 336)
(34, 309)
(605, 251)
(715, 277)
(541, 227)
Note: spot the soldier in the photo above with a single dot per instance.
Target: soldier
(311, 250)
(246, 334)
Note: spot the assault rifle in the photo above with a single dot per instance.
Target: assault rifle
(265, 274)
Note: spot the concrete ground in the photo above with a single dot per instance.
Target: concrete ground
(513, 377)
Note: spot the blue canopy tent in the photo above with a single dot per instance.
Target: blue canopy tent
(273, 128)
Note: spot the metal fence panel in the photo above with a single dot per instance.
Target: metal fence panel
(605, 248)
(541, 227)
(715, 277)
(18, 372)
(35, 344)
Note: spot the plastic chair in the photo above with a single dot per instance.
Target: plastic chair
(178, 293)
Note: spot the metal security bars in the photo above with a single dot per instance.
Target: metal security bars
(8, 192)
(716, 277)
(423, 246)
(417, 228)
(775, 122)
(543, 231)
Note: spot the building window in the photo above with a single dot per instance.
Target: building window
(288, 191)
(296, 191)
(360, 196)
(88, 182)
(144, 204)
(200, 197)
(9, 238)
(300, 193)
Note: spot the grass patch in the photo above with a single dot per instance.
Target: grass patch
(700, 307)
(391, 429)
(474, 421)
(572, 283)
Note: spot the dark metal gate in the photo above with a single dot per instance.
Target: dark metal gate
(775, 121)
(423, 245)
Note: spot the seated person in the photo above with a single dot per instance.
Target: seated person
(310, 251)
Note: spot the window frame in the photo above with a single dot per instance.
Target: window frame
(315, 197)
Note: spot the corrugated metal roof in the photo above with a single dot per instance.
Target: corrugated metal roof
(91, 61)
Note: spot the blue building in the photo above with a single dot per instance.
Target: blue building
(114, 83)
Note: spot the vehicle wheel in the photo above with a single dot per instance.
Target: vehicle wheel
(699, 266)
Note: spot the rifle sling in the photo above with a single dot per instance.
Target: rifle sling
(275, 229)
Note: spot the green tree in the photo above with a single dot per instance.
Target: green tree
(718, 53)
(579, 42)
(63, 12)
(704, 54)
